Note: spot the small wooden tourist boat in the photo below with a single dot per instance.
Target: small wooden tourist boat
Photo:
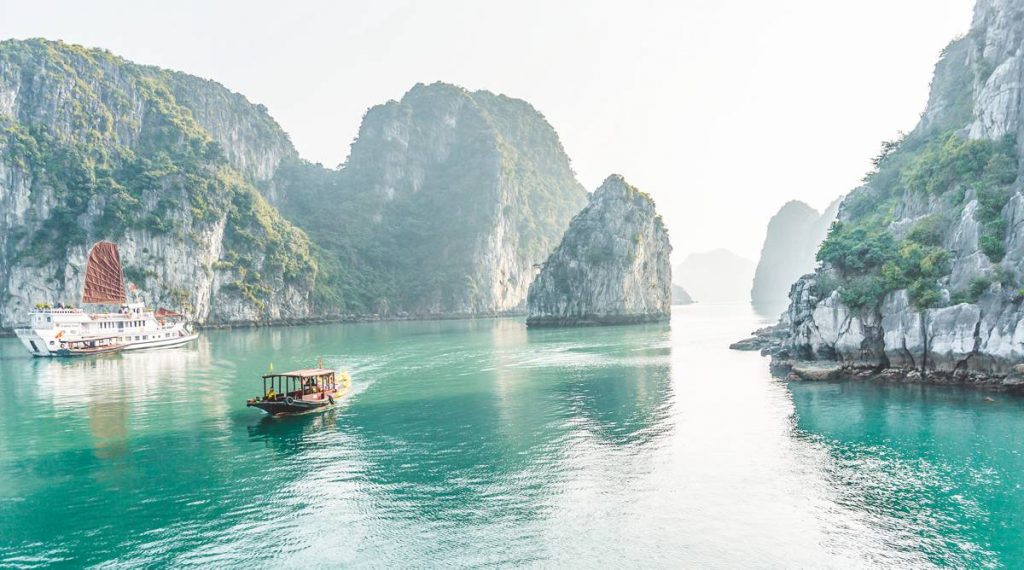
(300, 391)
(89, 346)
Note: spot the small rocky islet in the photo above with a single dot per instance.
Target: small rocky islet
(612, 266)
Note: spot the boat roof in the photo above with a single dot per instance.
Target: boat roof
(304, 373)
(89, 338)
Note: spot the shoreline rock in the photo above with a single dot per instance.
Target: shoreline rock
(832, 371)
(816, 370)
(360, 319)
(601, 321)
(784, 366)
(340, 319)
(766, 340)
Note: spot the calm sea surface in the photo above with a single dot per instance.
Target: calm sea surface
(472, 443)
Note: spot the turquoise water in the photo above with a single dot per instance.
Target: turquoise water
(472, 443)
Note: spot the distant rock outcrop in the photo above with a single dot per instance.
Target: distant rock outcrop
(716, 276)
(612, 266)
(793, 237)
(680, 296)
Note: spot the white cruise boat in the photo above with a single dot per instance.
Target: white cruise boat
(64, 331)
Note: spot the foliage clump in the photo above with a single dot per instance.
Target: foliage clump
(113, 167)
(872, 263)
(952, 161)
(937, 168)
(943, 168)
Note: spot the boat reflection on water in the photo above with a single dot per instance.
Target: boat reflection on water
(293, 434)
(116, 389)
(108, 423)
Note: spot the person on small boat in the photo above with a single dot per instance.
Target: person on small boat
(271, 394)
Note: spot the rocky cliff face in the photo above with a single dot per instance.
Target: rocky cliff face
(448, 200)
(252, 141)
(611, 267)
(923, 274)
(94, 147)
(794, 235)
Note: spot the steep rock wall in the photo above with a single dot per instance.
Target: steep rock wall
(447, 201)
(611, 267)
(94, 147)
(966, 321)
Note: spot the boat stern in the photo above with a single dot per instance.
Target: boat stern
(35, 343)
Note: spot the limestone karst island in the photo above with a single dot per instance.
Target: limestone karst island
(611, 267)
(390, 284)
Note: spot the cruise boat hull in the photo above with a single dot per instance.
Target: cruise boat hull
(168, 343)
(63, 330)
(37, 346)
(71, 332)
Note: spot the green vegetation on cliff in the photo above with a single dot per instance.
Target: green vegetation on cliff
(936, 167)
(447, 200)
(445, 204)
(117, 151)
(871, 262)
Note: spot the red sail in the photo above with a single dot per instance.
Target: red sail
(104, 280)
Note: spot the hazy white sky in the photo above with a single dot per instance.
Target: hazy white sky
(722, 110)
